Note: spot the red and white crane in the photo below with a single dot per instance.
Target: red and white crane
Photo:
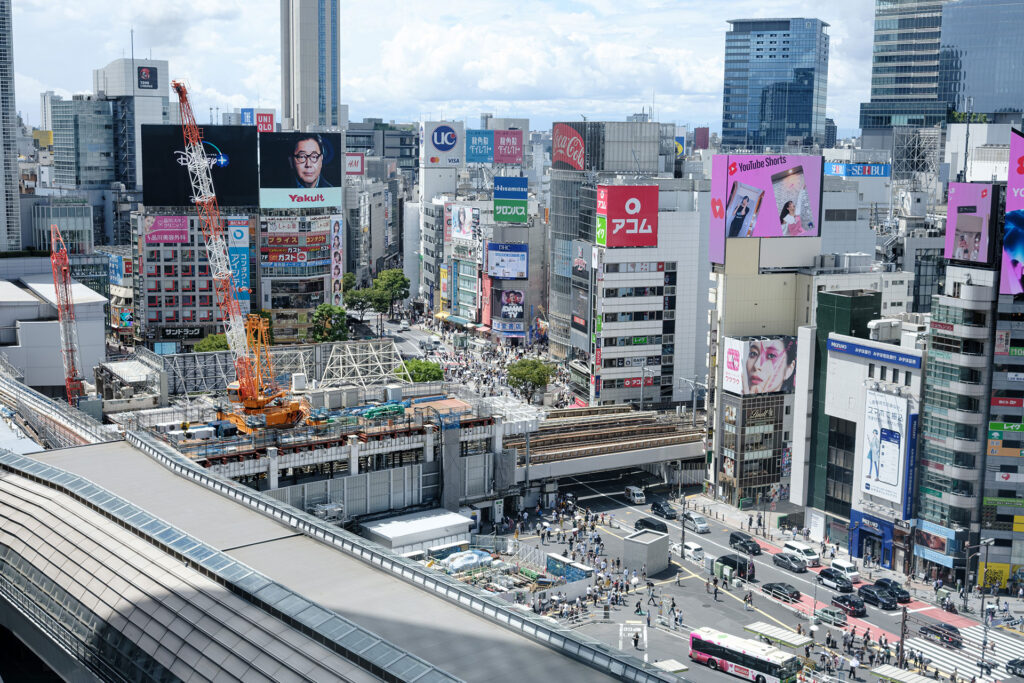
(73, 381)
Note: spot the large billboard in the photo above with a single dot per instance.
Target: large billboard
(885, 445)
(300, 170)
(165, 229)
(465, 221)
(508, 261)
(716, 240)
(1012, 279)
(237, 228)
(627, 216)
(508, 304)
(968, 217)
(337, 242)
(479, 146)
(511, 197)
(767, 196)
(230, 154)
(759, 365)
(442, 143)
(508, 147)
(580, 309)
(567, 148)
(844, 170)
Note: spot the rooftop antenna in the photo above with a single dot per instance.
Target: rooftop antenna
(132, 32)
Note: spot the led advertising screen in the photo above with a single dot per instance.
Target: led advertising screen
(1012, 279)
(508, 304)
(165, 229)
(465, 221)
(759, 365)
(567, 148)
(767, 195)
(508, 147)
(337, 242)
(508, 261)
(627, 216)
(885, 446)
(580, 309)
(716, 240)
(968, 216)
(300, 170)
(230, 153)
(479, 146)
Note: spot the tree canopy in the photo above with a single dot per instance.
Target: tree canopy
(392, 284)
(529, 375)
(329, 324)
(212, 342)
(419, 370)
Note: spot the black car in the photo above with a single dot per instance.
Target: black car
(946, 634)
(850, 604)
(650, 523)
(744, 543)
(1016, 667)
(835, 579)
(877, 596)
(662, 508)
(782, 591)
(898, 591)
(789, 561)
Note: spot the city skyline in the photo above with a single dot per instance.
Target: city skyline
(549, 61)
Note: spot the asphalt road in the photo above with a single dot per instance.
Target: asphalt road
(603, 493)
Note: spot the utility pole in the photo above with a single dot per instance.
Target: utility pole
(902, 654)
(987, 542)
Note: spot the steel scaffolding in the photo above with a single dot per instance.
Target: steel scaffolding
(363, 364)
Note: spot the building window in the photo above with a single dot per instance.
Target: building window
(871, 370)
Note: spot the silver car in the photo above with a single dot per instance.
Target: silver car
(696, 522)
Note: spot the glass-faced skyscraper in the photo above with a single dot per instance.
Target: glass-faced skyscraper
(310, 64)
(776, 81)
(10, 217)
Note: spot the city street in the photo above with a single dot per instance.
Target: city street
(604, 495)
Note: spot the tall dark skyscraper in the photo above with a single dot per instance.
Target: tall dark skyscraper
(776, 80)
(904, 70)
(310, 64)
(10, 219)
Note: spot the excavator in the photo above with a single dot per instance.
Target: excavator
(260, 402)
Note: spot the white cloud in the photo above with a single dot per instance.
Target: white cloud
(400, 59)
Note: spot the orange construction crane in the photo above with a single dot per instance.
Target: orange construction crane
(73, 381)
(254, 387)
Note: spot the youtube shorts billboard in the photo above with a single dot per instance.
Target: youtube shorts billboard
(300, 170)
(766, 195)
(230, 153)
(627, 216)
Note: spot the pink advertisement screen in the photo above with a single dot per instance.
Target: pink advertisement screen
(768, 196)
(968, 212)
(508, 146)
(719, 182)
(166, 229)
(1012, 279)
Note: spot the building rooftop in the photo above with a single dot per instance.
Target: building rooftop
(11, 293)
(41, 284)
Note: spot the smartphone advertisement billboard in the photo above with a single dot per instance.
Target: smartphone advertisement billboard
(968, 217)
(627, 216)
(1012, 279)
(759, 365)
(758, 195)
(300, 170)
(885, 444)
(230, 153)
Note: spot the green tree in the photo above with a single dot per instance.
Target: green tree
(394, 285)
(419, 370)
(359, 301)
(329, 324)
(212, 342)
(348, 282)
(529, 375)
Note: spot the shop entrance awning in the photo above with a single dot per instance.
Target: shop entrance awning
(894, 674)
(777, 634)
(442, 315)
(457, 320)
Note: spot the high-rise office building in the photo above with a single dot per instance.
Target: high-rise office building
(904, 70)
(310, 64)
(980, 57)
(10, 227)
(776, 78)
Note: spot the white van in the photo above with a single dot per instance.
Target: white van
(634, 494)
(804, 551)
(847, 569)
(693, 552)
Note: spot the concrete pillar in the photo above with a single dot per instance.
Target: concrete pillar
(353, 454)
(272, 466)
(497, 435)
(428, 445)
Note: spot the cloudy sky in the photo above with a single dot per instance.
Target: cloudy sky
(407, 59)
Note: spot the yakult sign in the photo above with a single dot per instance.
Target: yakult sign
(567, 148)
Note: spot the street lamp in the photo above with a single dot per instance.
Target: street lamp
(987, 542)
(967, 567)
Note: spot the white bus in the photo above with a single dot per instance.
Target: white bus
(748, 659)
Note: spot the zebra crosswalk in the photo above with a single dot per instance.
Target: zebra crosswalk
(965, 659)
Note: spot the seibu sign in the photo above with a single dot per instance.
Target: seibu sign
(627, 216)
(567, 149)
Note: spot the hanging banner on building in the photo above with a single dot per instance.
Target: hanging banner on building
(627, 216)
(485, 301)
(758, 195)
(885, 437)
(479, 146)
(968, 221)
(447, 222)
(165, 229)
(567, 148)
(443, 282)
(337, 237)
(680, 147)
(1002, 346)
(300, 170)
(508, 304)
(1012, 277)
(237, 228)
(508, 147)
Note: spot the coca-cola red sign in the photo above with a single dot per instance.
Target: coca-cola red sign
(567, 150)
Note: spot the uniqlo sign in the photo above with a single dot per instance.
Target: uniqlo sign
(627, 215)
(265, 123)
